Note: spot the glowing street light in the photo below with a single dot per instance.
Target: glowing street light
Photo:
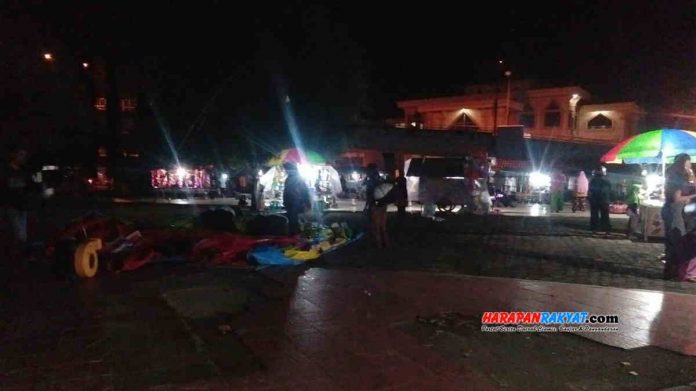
(48, 57)
(539, 180)
(85, 65)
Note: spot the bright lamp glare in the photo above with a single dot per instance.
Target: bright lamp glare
(306, 171)
(355, 176)
(181, 172)
(224, 176)
(653, 181)
(539, 180)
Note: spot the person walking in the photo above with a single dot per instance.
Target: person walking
(599, 195)
(296, 197)
(15, 193)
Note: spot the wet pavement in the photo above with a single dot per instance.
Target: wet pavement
(312, 329)
(340, 324)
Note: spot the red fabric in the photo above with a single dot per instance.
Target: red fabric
(140, 258)
(218, 249)
(616, 208)
(136, 249)
(232, 248)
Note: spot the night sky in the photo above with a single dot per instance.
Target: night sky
(342, 61)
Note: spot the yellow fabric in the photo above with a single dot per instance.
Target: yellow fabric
(314, 253)
(300, 255)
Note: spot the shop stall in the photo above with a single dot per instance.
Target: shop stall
(184, 182)
(656, 147)
(322, 179)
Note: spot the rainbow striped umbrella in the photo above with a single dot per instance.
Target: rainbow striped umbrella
(296, 156)
(655, 146)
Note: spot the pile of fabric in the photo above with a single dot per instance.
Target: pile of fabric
(126, 248)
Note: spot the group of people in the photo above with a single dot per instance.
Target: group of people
(597, 192)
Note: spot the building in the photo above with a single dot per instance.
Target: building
(562, 113)
(530, 130)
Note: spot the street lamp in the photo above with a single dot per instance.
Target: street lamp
(574, 99)
(507, 101)
(85, 65)
(48, 57)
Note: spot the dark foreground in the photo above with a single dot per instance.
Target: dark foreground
(187, 327)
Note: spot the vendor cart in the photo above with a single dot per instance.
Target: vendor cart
(445, 182)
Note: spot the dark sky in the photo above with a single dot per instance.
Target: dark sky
(635, 49)
(351, 56)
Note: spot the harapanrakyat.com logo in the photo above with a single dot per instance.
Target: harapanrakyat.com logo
(538, 321)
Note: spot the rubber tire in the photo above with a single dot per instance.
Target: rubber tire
(86, 258)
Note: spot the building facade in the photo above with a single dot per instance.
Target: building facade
(561, 114)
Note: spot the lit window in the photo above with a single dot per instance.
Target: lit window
(465, 122)
(552, 115)
(101, 104)
(600, 121)
(128, 104)
(102, 152)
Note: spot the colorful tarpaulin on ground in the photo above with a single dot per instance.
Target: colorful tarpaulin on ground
(655, 146)
(292, 256)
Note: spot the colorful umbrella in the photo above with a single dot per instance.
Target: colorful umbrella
(296, 156)
(655, 146)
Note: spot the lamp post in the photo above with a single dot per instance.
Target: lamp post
(574, 99)
(507, 100)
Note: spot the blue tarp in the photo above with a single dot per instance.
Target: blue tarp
(273, 256)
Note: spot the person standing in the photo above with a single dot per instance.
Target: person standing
(678, 193)
(633, 201)
(581, 188)
(296, 197)
(379, 195)
(599, 195)
(401, 197)
(15, 192)
(558, 183)
(371, 181)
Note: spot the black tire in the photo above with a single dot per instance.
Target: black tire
(446, 206)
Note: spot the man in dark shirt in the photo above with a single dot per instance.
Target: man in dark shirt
(16, 181)
(296, 197)
(599, 195)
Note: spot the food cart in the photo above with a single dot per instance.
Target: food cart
(445, 182)
(658, 147)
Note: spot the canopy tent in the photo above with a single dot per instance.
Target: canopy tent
(295, 155)
(323, 179)
(656, 147)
